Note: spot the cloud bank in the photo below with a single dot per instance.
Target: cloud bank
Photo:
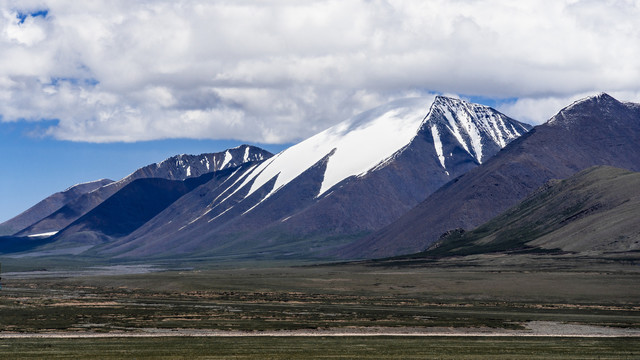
(278, 71)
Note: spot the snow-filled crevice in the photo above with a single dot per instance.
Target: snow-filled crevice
(437, 143)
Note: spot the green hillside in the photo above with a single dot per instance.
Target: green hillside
(594, 212)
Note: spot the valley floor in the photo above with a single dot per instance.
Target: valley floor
(484, 301)
(384, 347)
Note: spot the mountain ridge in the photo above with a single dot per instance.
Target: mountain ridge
(49, 205)
(179, 167)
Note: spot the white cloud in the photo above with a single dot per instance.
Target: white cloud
(278, 71)
(29, 32)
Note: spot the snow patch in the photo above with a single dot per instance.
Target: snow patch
(246, 175)
(469, 125)
(246, 155)
(87, 183)
(453, 127)
(196, 219)
(227, 159)
(438, 144)
(43, 235)
(217, 216)
(360, 149)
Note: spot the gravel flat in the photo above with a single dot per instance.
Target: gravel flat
(533, 329)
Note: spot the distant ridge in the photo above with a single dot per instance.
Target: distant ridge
(178, 167)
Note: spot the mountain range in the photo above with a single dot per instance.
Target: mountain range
(393, 180)
(336, 186)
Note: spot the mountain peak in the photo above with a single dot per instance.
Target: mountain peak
(595, 106)
(445, 101)
(600, 99)
(474, 126)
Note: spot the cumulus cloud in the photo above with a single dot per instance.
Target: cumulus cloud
(278, 71)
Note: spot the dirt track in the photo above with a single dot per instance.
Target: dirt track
(533, 329)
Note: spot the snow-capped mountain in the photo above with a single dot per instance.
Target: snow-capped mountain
(180, 167)
(597, 130)
(342, 183)
(369, 140)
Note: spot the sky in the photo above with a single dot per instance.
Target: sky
(96, 89)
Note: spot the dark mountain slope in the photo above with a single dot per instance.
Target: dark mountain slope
(10, 244)
(132, 206)
(595, 131)
(49, 205)
(593, 212)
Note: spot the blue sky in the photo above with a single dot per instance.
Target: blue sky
(97, 89)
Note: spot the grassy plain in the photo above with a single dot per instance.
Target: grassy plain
(322, 348)
(473, 293)
(501, 292)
